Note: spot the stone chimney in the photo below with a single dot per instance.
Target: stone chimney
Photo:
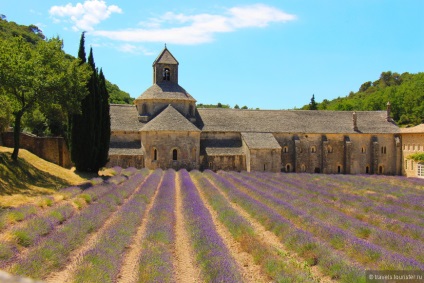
(389, 108)
(355, 121)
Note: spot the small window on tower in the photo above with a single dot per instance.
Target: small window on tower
(166, 74)
(155, 154)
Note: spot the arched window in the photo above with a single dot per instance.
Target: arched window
(288, 168)
(175, 154)
(313, 149)
(155, 154)
(383, 150)
(303, 168)
(285, 149)
(339, 169)
(329, 149)
(367, 170)
(193, 153)
(166, 74)
(364, 149)
(380, 169)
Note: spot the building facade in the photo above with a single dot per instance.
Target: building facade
(164, 129)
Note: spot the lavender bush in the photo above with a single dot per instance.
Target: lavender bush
(102, 263)
(278, 268)
(51, 252)
(156, 262)
(211, 253)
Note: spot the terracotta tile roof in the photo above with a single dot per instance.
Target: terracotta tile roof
(260, 141)
(166, 90)
(124, 117)
(292, 121)
(416, 129)
(170, 120)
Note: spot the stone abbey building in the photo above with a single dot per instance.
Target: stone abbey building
(164, 129)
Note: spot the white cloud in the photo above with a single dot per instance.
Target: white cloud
(86, 15)
(200, 28)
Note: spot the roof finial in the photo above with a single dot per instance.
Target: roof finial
(165, 45)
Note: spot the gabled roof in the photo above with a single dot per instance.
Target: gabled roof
(260, 141)
(124, 117)
(413, 130)
(293, 121)
(166, 90)
(165, 57)
(170, 120)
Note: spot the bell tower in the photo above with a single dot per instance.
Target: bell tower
(165, 68)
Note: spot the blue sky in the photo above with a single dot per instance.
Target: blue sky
(271, 54)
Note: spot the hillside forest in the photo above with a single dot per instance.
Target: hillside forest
(405, 92)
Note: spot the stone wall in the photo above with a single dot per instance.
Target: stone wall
(224, 162)
(411, 143)
(340, 154)
(52, 149)
(125, 161)
(186, 144)
(265, 160)
(124, 137)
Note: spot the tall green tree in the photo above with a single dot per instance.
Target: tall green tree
(313, 105)
(104, 139)
(91, 129)
(37, 75)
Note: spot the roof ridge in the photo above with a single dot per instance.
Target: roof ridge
(170, 119)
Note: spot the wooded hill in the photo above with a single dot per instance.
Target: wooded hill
(405, 93)
(33, 34)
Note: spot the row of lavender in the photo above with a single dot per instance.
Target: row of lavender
(347, 233)
(317, 208)
(356, 198)
(41, 241)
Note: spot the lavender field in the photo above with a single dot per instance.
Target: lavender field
(168, 226)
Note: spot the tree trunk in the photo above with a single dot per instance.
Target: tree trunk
(17, 135)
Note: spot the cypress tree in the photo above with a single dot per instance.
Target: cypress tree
(104, 141)
(91, 129)
(93, 118)
(78, 128)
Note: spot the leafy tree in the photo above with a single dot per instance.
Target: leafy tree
(365, 86)
(405, 93)
(117, 96)
(313, 105)
(236, 106)
(219, 105)
(37, 75)
(244, 107)
(5, 111)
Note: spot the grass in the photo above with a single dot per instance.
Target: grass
(30, 178)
